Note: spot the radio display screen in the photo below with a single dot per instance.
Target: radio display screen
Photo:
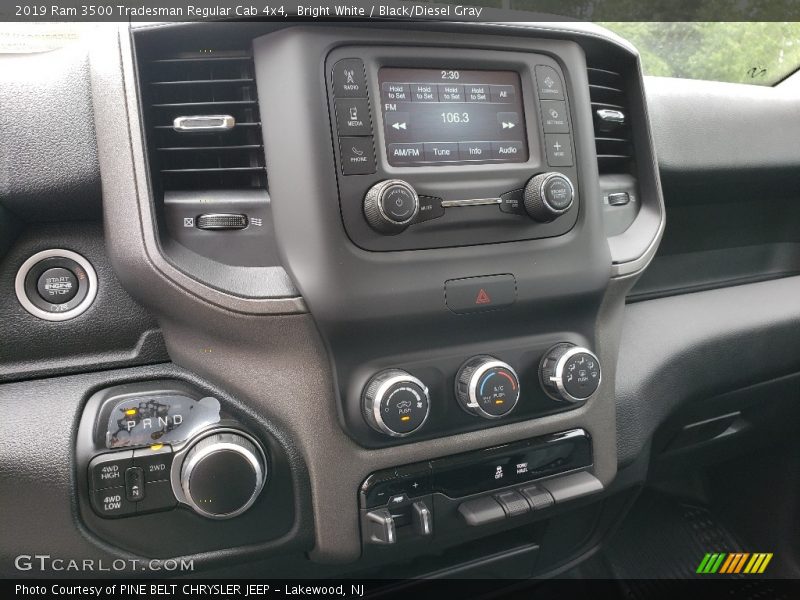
(443, 116)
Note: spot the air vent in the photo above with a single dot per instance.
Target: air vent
(204, 122)
(611, 122)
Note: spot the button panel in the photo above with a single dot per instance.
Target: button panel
(127, 482)
(353, 117)
(555, 116)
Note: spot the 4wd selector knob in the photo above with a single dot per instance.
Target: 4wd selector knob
(487, 387)
(223, 474)
(548, 195)
(395, 403)
(569, 373)
(391, 205)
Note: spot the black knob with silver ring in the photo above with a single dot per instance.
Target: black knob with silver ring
(570, 373)
(395, 403)
(390, 206)
(548, 195)
(223, 474)
(487, 387)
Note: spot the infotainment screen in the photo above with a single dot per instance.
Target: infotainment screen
(444, 116)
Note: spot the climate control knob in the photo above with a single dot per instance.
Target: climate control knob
(487, 387)
(390, 206)
(223, 474)
(395, 403)
(569, 373)
(548, 195)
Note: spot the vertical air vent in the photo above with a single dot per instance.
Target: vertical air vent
(203, 121)
(611, 122)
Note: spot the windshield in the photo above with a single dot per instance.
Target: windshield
(760, 53)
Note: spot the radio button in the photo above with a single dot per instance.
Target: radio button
(349, 80)
(441, 152)
(108, 470)
(358, 155)
(548, 83)
(156, 462)
(475, 150)
(559, 149)
(405, 153)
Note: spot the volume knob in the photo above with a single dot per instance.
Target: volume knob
(390, 206)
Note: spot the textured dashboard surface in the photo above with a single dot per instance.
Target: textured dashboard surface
(48, 156)
(115, 331)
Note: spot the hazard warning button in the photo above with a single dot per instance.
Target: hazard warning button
(475, 294)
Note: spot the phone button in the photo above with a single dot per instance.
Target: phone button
(357, 155)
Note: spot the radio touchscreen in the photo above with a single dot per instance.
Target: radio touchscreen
(441, 116)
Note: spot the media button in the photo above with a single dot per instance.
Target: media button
(395, 92)
(548, 83)
(352, 117)
(477, 93)
(440, 152)
(508, 150)
(451, 93)
(405, 153)
(475, 150)
(554, 116)
(357, 154)
(424, 92)
(349, 80)
(503, 93)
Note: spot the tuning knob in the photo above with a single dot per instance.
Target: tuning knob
(223, 474)
(548, 195)
(487, 387)
(395, 403)
(569, 373)
(390, 206)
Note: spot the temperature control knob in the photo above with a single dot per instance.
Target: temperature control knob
(395, 403)
(391, 205)
(548, 195)
(487, 387)
(223, 474)
(569, 373)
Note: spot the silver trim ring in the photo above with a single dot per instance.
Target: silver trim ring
(259, 467)
(19, 285)
(379, 200)
(543, 196)
(558, 378)
(473, 388)
(377, 401)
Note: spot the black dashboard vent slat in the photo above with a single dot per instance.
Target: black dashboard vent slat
(615, 152)
(199, 85)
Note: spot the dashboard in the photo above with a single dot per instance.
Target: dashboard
(388, 281)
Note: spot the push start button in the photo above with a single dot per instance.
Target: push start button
(57, 285)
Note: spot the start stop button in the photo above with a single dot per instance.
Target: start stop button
(56, 285)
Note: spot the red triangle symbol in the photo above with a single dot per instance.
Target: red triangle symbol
(483, 297)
